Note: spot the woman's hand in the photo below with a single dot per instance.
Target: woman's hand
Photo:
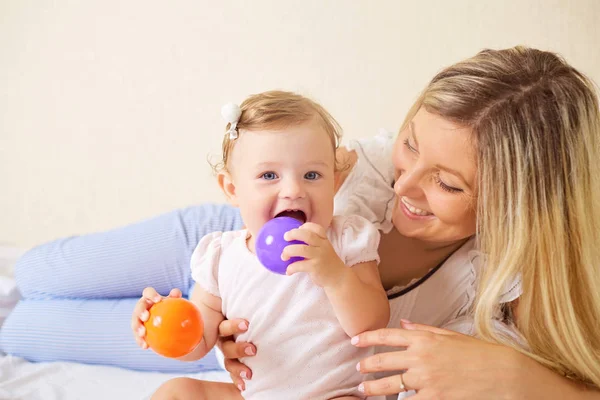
(443, 364)
(141, 313)
(232, 350)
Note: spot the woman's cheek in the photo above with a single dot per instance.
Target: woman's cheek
(447, 209)
(457, 213)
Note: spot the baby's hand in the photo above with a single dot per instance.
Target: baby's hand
(321, 261)
(141, 313)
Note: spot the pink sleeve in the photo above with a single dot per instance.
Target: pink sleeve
(359, 241)
(205, 263)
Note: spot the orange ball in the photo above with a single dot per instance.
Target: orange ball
(174, 328)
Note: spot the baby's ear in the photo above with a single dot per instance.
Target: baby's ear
(226, 183)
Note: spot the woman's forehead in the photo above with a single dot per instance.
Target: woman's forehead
(428, 120)
(445, 143)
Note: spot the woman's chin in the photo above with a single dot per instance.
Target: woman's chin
(404, 229)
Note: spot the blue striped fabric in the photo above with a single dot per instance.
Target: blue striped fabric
(87, 331)
(79, 292)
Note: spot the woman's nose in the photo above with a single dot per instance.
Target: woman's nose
(408, 183)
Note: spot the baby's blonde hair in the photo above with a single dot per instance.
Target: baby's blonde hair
(536, 127)
(277, 110)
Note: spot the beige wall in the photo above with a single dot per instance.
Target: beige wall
(108, 109)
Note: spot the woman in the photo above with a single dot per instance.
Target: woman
(500, 152)
(513, 134)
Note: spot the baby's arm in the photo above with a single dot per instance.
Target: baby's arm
(356, 294)
(359, 300)
(210, 308)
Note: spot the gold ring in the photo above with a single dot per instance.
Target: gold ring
(402, 385)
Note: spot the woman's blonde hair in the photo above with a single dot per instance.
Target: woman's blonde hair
(277, 110)
(536, 126)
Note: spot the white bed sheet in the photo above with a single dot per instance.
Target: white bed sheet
(23, 380)
(9, 294)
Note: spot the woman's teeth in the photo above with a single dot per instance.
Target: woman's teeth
(413, 209)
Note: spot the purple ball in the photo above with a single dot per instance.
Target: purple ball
(270, 243)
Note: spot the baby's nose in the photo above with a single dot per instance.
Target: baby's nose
(292, 189)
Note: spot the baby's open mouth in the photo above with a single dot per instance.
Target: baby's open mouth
(296, 214)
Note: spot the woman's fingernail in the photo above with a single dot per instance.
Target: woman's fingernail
(249, 351)
(145, 315)
(141, 331)
(243, 325)
(157, 299)
(406, 324)
(354, 340)
(240, 387)
(243, 375)
(358, 366)
(361, 388)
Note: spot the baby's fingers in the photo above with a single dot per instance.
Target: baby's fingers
(151, 295)
(315, 228)
(140, 311)
(299, 266)
(141, 342)
(303, 235)
(140, 315)
(298, 250)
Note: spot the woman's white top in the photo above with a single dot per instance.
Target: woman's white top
(447, 292)
(445, 295)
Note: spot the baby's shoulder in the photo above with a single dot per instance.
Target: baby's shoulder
(212, 245)
(220, 239)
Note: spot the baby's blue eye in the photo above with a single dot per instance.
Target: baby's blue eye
(311, 176)
(269, 176)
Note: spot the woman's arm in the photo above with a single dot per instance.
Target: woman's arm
(440, 363)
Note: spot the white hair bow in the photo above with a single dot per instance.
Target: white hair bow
(231, 113)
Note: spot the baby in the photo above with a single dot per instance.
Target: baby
(279, 160)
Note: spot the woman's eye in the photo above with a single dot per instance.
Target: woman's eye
(409, 146)
(311, 176)
(269, 176)
(445, 187)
